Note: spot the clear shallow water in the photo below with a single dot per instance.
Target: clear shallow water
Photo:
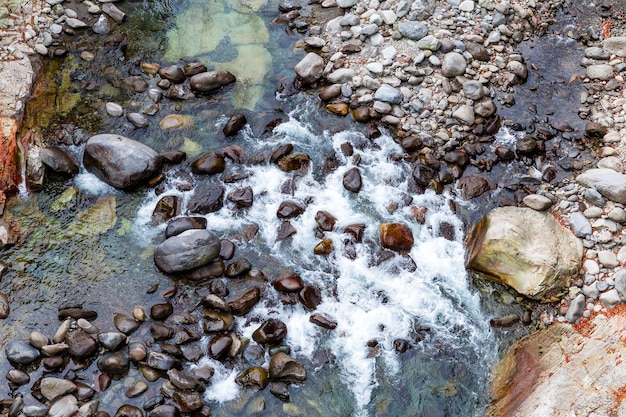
(89, 243)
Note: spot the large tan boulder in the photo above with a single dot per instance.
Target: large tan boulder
(564, 371)
(526, 250)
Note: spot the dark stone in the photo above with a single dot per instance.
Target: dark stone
(504, 153)
(323, 321)
(423, 174)
(243, 303)
(192, 68)
(352, 180)
(53, 362)
(361, 114)
(80, 344)
(237, 155)
(22, 353)
(17, 377)
(280, 152)
(135, 83)
(242, 197)
(111, 340)
(128, 410)
(173, 157)
(355, 231)
(207, 198)
(285, 230)
(330, 92)
(114, 363)
(396, 236)
(219, 346)
(271, 332)
(5, 307)
(217, 287)
(290, 282)
(472, 186)
(174, 73)
(280, 390)
(216, 321)
(210, 163)
(526, 145)
(179, 225)
(164, 410)
(411, 143)
(255, 378)
(401, 345)
(310, 297)
(372, 131)
(184, 336)
(234, 125)
(477, 51)
(119, 161)
(595, 130)
(188, 401)
(161, 332)
(238, 268)
(296, 161)
(162, 361)
(161, 311)
(206, 82)
(325, 220)
(289, 209)
(182, 380)
(457, 157)
(179, 92)
(125, 324)
(213, 269)
(166, 208)
(77, 313)
(284, 368)
(59, 160)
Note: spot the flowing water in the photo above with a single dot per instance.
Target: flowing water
(87, 242)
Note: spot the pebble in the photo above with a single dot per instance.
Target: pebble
(591, 267)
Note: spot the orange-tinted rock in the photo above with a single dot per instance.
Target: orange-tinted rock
(340, 109)
(325, 247)
(396, 236)
(8, 146)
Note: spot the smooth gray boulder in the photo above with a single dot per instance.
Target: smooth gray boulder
(388, 94)
(615, 45)
(600, 72)
(21, 352)
(59, 160)
(453, 64)
(525, 249)
(310, 68)
(413, 30)
(120, 161)
(188, 250)
(579, 224)
(607, 182)
(576, 308)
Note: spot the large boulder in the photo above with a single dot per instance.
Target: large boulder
(563, 371)
(526, 250)
(120, 161)
(188, 250)
(607, 182)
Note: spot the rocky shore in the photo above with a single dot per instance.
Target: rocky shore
(437, 74)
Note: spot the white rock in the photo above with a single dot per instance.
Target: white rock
(114, 109)
(75, 23)
(537, 202)
(466, 6)
(607, 258)
(591, 267)
(610, 298)
(41, 49)
(375, 67)
(389, 17)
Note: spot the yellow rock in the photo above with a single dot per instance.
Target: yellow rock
(176, 121)
(191, 148)
(96, 220)
(340, 109)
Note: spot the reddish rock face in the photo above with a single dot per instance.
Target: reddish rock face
(396, 236)
(8, 168)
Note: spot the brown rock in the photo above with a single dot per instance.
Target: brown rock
(80, 344)
(291, 282)
(219, 346)
(310, 297)
(325, 247)
(352, 180)
(174, 73)
(340, 109)
(323, 321)
(242, 197)
(472, 186)
(209, 164)
(325, 220)
(272, 332)
(296, 161)
(255, 378)
(166, 208)
(396, 236)
(215, 321)
(286, 369)
(234, 125)
(243, 303)
(361, 114)
(330, 92)
(289, 209)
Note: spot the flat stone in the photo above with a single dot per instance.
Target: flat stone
(53, 388)
(340, 76)
(615, 45)
(607, 258)
(464, 114)
(609, 183)
(591, 267)
(388, 94)
(413, 30)
(114, 109)
(537, 202)
(600, 72)
(611, 162)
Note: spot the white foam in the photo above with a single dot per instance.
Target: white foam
(89, 184)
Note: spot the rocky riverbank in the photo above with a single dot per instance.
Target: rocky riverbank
(436, 74)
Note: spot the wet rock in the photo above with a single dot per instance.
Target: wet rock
(17, 377)
(255, 378)
(453, 64)
(215, 321)
(188, 401)
(310, 68)
(182, 380)
(128, 410)
(504, 321)
(178, 92)
(64, 407)
(166, 208)
(296, 161)
(323, 321)
(310, 297)
(330, 92)
(59, 160)
(161, 311)
(137, 351)
(396, 236)
(175, 121)
(209, 164)
(5, 308)
(352, 180)
(206, 82)
(87, 326)
(162, 361)
(125, 324)
(340, 109)
(519, 69)
(243, 303)
(361, 114)
(207, 198)
(213, 269)
(161, 332)
(80, 344)
(164, 410)
(242, 197)
(290, 282)
(111, 340)
(113, 12)
(188, 250)
(55, 349)
(472, 186)
(285, 230)
(526, 146)
(193, 68)
(136, 389)
(135, 83)
(325, 247)
(179, 225)
(325, 220)
(174, 73)
(35, 410)
(485, 108)
(280, 390)
(219, 346)
(138, 120)
(38, 340)
(289, 209)
(280, 152)
(114, 363)
(53, 388)
(119, 161)
(271, 332)
(21, 353)
(238, 268)
(525, 249)
(234, 125)
(284, 368)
